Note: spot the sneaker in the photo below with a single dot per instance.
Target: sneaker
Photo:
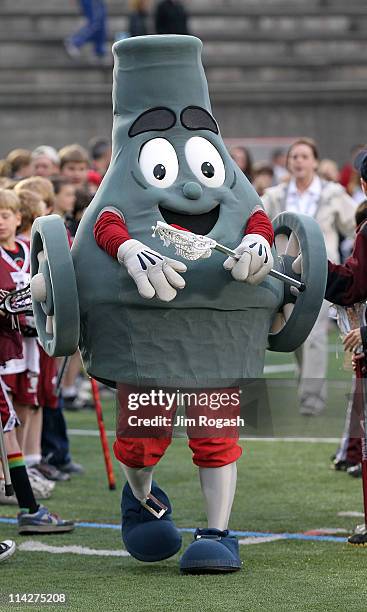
(308, 410)
(71, 468)
(42, 488)
(355, 470)
(70, 403)
(7, 549)
(5, 500)
(341, 465)
(42, 521)
(50, 472)
(72, 50)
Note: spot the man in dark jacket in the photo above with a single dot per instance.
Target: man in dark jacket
(170, 18)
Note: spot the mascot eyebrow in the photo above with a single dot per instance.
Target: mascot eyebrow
(196, 118)
(153, 120)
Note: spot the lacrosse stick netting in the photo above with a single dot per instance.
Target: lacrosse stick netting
(192, 246)
(17, 302)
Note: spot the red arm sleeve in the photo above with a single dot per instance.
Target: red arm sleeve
(347, 283)
(259, 223)
(110, 232)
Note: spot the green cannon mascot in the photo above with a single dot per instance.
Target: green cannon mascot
(147, 318)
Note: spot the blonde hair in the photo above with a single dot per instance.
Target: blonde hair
(9, 200)
(73, 153)
(5, 168)
(6, 182)
(30, 208)
(39, 185)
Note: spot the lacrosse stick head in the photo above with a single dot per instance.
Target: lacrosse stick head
(17, 302)
(187, 244)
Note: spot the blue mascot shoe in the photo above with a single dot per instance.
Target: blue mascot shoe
(212, 551)
(148, 531)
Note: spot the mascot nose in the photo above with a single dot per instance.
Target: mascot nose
(192, 190)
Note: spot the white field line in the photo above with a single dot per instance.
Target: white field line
(95, 433)
(34, 546)
(328, 530)
(284, 367)
(351, 513)
(261, 540)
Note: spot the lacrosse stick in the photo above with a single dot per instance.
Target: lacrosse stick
(60, 376)
(102, 433)
(350, 318)
(17, 302)
(4, 460)
(193, 246)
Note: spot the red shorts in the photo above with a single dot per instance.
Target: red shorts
(46, 390)
(8, 416)
(147, 444)
(22, 387)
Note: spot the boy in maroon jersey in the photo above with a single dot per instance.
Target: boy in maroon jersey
(15, 380)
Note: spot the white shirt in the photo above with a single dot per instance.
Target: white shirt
(306, 201)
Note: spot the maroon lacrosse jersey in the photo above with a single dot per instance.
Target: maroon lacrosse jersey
(14, 274)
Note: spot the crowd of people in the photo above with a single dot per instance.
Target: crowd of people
(168, 17)
(43, 181)
(33, 184)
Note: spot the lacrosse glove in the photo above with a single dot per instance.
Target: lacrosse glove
(152, 273)
(254, 260)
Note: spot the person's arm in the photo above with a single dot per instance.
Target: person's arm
(345, 217)
(347, 283)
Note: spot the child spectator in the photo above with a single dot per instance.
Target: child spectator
(31, 207)
(40, 185)
(100, 154)
(15, 381)
(82, 201)
(64, 196)
(74, 164)
(20, 163)
(347, 285)
(263, 177)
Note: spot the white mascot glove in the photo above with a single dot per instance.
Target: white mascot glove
(254, 260)
(152, 273)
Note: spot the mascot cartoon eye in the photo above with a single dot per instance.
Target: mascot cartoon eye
(158, 162)
(205, 161)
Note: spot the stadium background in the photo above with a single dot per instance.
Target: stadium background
(276, 69)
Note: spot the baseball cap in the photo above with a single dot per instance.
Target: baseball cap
(360, 163)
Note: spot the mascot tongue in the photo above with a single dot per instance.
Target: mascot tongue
(179, 227)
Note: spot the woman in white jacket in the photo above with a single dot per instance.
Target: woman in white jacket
(330, 205)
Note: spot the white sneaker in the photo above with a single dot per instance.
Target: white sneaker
(4, 499)
(7, 548)
(42, 488)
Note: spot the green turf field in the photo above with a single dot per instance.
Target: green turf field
(283, 487)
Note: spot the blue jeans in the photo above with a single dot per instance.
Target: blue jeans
(55, 442)
(95, 29)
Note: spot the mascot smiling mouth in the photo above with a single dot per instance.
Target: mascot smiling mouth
(199, 224)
